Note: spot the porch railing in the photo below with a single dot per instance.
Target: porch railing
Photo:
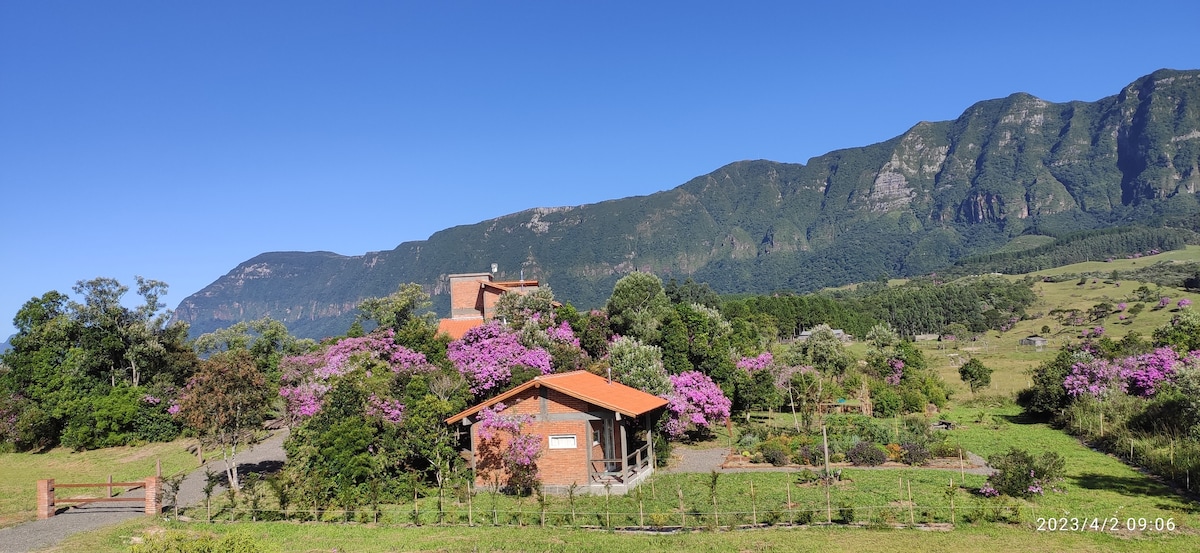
(635, 463)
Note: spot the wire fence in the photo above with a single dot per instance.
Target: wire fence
(883, 516)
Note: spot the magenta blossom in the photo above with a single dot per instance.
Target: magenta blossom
(695, 402)
(486, 355)
(755, 364)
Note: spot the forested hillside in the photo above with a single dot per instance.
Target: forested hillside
(912, 205)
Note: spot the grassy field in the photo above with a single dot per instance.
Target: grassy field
(302, 538)
(1011, 361)
(19, 472)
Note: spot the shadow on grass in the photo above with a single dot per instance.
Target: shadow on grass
(264, 468)
(1022, 418)
(1124, 485)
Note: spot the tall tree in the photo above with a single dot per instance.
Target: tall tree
(266, 339)
(975, 375)
(638, 306)
(225, 402)
(393, 311)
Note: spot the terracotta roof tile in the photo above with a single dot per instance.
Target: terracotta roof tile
(457, 328)
(586, 386)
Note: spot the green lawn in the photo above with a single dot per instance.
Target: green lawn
(299, 538)
(19, 472)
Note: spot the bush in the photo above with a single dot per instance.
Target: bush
(809, 455)
(913, 401)
(944, 449)
(886, 402)
(867, 454)
(806, 476)
(776, 451)
(846, 512)
(1020, 474)
(915, 453)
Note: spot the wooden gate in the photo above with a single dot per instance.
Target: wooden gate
(47, 503)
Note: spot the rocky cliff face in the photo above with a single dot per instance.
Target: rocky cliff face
(905, 206)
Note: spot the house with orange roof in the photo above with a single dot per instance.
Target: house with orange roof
(595, 433)
(473, 298)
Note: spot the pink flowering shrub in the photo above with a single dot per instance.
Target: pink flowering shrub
(897, 368)
(755, 364)
(307, 378)
(694, 404)
(486, 355)
(388, 410)
(1184, 303)
(1141, 375)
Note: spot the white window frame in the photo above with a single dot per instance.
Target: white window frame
(562, 439)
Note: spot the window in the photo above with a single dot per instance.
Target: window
(566, 441)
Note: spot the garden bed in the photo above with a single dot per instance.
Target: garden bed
(737, 461)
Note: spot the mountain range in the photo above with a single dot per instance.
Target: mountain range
(907, 206)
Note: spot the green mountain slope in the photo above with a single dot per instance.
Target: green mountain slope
(906, 206)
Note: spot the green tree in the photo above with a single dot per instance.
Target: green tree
(393, 311)
(266, 339)
(692, 292)
(638, 306)
(638, 365)
(225, 402)
(1182, 333)
(72, 360)
(826, 352)
(975, 375)
(514, 309)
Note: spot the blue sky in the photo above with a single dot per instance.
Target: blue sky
(175, 140)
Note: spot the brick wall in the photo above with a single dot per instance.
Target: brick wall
(45, 498)
(556, 467)
(465, 297)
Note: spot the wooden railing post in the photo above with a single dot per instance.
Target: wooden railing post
(45, 499)
(109, 486)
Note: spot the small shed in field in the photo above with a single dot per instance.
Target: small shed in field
(1035, 341)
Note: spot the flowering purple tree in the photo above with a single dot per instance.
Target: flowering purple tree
(754, 364)
(897, 372)
(1141, 375)
(556, 337)
(694, 404)
(375, 357)
(486, 355)
(504, 443)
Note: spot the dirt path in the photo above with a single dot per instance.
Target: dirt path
(39, 535)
